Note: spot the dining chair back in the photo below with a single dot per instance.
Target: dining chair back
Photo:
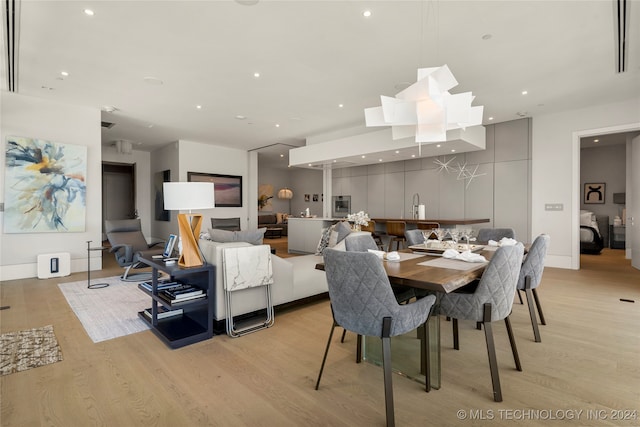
(371, 228)
(486, 234)
(414, 237)
(395, 231)
(360, 243)
(362, 302)
(491, 301)
(530, 278)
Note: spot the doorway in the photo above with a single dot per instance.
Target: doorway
(118, 191)
(609, 166)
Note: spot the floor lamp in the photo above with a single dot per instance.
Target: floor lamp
(182, 196)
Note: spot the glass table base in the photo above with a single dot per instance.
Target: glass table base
(405, 353)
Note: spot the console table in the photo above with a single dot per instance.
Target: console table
(196, 321)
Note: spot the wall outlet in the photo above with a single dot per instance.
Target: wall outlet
(553, 207)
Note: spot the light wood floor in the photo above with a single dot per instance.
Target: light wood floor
(589, 360)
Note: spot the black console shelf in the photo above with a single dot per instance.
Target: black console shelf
(196, 322)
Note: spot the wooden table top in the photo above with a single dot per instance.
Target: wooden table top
(432, 278)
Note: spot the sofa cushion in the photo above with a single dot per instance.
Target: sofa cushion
(333, 235)
(267, 219)
(254, 237)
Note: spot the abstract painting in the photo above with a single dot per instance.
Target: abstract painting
(594, 193)
(227, 188)
(265, 194)
(45, 186)
(158, 179)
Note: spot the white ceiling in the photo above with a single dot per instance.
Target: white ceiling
(311, 56)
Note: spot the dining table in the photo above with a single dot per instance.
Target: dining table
(424, 269)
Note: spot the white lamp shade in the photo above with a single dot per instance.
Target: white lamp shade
(188, 195)
(285, 193)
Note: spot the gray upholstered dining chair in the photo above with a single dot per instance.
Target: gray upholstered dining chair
(128, 244)
(360, 243)
(362, 302)
(414, 237)
(491, 301)
(486, 234)
(530, 277)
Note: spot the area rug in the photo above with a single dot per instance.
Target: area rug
(28, 349)
(109, 312)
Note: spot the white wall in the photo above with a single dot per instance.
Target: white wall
(556, 169)
(38, 118)
(144, 199)
(306, 181)
(188, 156)
(279, 178)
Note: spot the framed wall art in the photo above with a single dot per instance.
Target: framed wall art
(594, 193)
(227, 188)
(158, 179)
(45, 186)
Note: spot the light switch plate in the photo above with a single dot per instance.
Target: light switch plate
(553, 207)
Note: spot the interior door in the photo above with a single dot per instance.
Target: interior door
(118, 191)
(633, 211)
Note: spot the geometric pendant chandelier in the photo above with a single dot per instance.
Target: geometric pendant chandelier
(426, 109)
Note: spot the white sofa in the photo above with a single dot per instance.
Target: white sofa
(295, 278)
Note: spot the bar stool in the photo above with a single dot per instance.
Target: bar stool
(371, 228)
(395, 230)
(427, 225)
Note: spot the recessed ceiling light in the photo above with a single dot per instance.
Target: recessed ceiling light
(109, 108)
(486, 36)
(490, 118)
(379, 160)
(309, 164)
(524, 92)
(413, 155)
(596, 140)
(438, 146)
(64, 74)
(397, 151)
(453, 151)
(334, 161)
(277, 125)
(256, 75)
(199, 107)
(150, 126)
(340, 105)
(366, 13)
(281, 155)
(240, 117)
(89, 12)
(363, 156)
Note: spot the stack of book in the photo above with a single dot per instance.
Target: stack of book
(163, 312)
(181, 293)
(162, 284)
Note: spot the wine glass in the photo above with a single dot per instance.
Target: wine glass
(467, 234)
(455, 236)
(440, 233)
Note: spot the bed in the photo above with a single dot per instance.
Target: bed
(594, 232)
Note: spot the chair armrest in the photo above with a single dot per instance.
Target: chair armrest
(128, 251)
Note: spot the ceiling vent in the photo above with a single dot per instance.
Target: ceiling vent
(621, 26)
(11, 15)
(108, 125)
